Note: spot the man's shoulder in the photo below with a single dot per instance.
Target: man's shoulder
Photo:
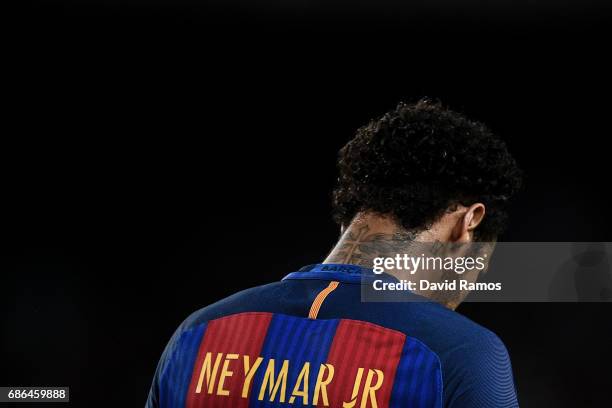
(443, 330)
(469, 354)
(456, 327)
(475, 364)
(255, 299)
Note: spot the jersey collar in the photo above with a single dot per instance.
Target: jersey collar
(338, 272)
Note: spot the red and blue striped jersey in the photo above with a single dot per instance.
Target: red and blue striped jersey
(310, 341)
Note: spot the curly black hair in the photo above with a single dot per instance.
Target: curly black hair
(420, 160)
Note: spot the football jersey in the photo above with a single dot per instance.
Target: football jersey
(310, 341)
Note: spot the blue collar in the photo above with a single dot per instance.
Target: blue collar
(338, 272)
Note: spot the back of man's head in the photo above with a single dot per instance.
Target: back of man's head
(420, 160)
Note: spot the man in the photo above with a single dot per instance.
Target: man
(420, 173)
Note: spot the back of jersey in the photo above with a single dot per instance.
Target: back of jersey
(309, 341)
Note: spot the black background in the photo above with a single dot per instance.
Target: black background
(158, 156)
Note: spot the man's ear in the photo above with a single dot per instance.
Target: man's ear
(467, 223)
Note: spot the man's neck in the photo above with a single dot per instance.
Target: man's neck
(367, 237)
